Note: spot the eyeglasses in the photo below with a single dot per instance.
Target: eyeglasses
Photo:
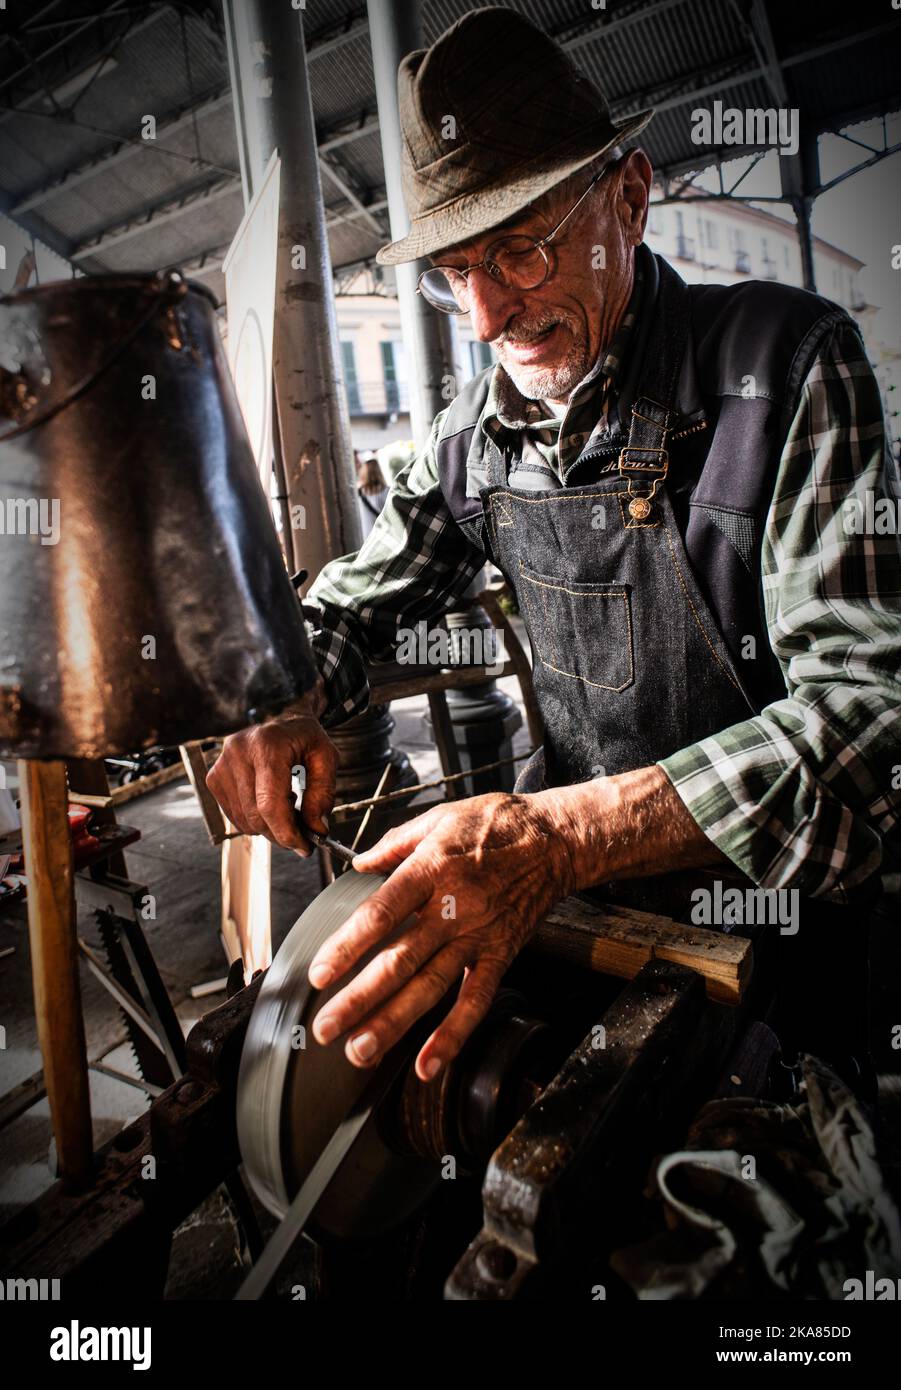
(516, 262)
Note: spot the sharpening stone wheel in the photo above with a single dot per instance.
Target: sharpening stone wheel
(294, 1094)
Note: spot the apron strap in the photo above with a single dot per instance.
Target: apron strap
(645, 455)
(495, 465)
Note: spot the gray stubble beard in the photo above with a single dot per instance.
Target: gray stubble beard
(549, 383)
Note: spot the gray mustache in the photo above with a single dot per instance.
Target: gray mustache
(526, 334)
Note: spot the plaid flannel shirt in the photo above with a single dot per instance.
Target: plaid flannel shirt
(805, 795)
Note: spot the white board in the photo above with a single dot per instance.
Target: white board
(249, 269)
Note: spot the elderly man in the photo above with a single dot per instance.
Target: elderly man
(659, 472)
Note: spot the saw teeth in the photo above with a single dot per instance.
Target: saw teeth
(142, 1049)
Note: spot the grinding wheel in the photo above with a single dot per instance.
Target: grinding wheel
(294, 1095)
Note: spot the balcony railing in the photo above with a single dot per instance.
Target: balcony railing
(743, 262)
(378, 397)
(770, 269)
(685, 248)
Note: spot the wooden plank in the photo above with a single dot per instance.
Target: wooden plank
(620, 940)
(147, 784)
(394, 682)
(195, 766)
(90, 799)
(54, 963)
(446, 743)
(246, 920)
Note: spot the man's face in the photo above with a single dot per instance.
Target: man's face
(547, 339)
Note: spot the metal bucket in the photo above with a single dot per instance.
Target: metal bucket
(143, 596)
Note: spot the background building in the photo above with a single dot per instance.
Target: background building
(374, 360)
(724, 242)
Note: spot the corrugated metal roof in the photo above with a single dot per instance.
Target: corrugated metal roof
(137, 204)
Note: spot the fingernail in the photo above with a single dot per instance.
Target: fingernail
(320, 976)
(326, 1029)
(365, 1045)
(432, 1068)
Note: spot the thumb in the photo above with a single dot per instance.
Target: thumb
(398, 844)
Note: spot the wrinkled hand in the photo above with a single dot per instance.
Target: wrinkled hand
(251, 779)
(480, 875)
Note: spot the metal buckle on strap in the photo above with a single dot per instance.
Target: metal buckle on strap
(647, 463)
(640, 460)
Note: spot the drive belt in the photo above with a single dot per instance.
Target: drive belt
(324, 1169)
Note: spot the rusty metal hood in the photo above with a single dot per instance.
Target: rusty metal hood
(143, 596)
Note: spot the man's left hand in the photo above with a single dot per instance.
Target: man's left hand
(479, 875)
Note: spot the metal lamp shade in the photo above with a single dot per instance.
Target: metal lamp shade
(143, 596)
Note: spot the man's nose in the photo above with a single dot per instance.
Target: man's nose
(491, 305)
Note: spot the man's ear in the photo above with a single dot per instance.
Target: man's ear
(634, 176)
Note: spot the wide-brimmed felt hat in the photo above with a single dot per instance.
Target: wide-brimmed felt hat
(492, 116)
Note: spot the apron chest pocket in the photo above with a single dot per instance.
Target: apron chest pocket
(583, 631)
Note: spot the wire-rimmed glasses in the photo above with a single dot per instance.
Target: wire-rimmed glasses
(516, 262)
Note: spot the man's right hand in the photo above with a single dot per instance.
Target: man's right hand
(251, 779)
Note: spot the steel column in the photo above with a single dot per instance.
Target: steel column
(395, 29)
(484, 719)
(800, 175)
(273, 110)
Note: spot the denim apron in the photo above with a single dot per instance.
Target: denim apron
(630, 665)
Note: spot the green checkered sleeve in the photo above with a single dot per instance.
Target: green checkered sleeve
(414, 565)
(806, 795)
